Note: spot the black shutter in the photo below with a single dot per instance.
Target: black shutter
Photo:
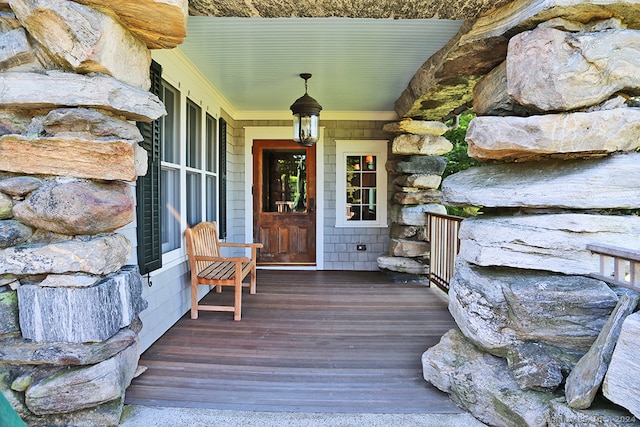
(222, 173)
(148, 189)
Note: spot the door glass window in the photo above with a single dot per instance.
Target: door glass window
(284, 181)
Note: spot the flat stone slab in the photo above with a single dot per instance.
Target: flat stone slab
(425, 145)
(20, 351)
(610, 182)
(403, 265)
(417, 182)
(416, 127)
(73, 156)
(553, 242)
(418, 197)
(567, 135)
(94, 255)
(35, 90)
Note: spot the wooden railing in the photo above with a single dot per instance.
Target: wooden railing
(444, 246)
(618, 266)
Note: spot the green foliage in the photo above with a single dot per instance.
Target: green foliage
(458, 159)
(463, 211)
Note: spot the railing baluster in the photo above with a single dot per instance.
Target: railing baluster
(622, 258)
(442, 231)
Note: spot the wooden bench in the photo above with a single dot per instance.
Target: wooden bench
(210, 268)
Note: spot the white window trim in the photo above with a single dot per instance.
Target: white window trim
(206, 106)
(346, 148)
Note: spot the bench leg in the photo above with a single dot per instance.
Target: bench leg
(237, 311)
(252, 287)
(194, 301)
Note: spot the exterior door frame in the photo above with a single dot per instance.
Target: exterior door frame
(252, 133)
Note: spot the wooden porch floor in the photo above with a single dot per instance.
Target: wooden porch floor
(326, 341)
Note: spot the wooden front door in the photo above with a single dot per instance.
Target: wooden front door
(284, 201)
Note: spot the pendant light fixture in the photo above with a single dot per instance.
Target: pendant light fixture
(306, 115)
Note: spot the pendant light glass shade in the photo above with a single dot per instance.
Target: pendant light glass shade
(306, 115)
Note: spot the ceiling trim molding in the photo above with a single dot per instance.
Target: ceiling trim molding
(185, 61)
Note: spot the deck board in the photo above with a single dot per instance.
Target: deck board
(308, 341)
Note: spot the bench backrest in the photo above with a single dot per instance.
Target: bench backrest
(202, 240)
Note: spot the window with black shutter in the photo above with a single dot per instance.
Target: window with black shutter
(148, 189)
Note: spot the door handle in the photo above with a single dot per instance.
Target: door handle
(312, 203)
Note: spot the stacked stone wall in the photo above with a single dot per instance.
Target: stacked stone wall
(417, 166)
(558, 129)
(69, 154)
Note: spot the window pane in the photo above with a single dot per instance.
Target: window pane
(170, 199)
(369, 179)
(284, 181)
(369, 163)
(193, 135)
(212, 197)
(169, 124)
(211, 144)
(369, 204)
(194, 198)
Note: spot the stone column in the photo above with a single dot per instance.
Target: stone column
(559, 130)
(418, 170)
(69, 155)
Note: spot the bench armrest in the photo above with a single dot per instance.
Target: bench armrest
(220, 259)
(241, 245)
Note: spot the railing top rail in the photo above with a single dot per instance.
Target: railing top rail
(451, 217)
(628, 254)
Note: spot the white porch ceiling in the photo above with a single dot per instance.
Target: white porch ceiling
(358, 65)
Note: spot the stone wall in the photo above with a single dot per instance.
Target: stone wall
(416, 169)
(558, 128)
(69, 155)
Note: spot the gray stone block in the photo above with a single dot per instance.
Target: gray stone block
(81, 314)
(429, 165)
(13, 233)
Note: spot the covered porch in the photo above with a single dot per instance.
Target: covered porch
(308, 341)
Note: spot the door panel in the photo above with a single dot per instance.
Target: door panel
(284, 202)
